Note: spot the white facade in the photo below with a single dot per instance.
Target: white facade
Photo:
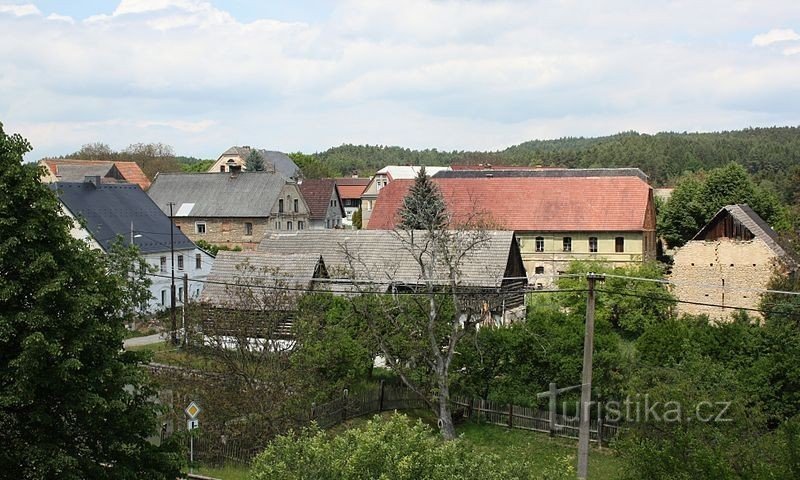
(195, 263)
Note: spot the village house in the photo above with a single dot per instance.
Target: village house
(383, 177)
(325, 205)
(75, 170)
(558, 215)
(493, 272)
(105, 212)
(231, 209)
(350, 190)
(234, 160)
(726, 263)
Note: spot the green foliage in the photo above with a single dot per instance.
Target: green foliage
(698, 197)
(312, 167)
(254, 161)
(126, 265)
(72, 404)
(423, 208)
(334, 346)
(629, 306)
(213, 248)
(194, 165)
(357, 219)
(385, 448)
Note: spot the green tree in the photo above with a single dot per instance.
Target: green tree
(73, 405)
(312, 166)
(357, 219)
(423, 208)
(126, 265)
(254, 161)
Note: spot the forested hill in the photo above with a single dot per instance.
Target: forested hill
(767, 153)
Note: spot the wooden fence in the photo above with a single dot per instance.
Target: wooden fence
(391, 397)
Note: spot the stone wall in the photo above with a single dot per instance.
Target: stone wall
(702, 269)
(229, 232)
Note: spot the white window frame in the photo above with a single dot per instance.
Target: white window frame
(198, 226)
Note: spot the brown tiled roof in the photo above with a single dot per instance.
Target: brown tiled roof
(130, 171)
(351, 188)
(531, 203)
(317, 194)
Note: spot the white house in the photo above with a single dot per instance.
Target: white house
(107, 211)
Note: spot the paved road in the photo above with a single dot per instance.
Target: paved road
(139, 341)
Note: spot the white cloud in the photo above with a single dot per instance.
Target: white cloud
(20, 10)
(774, 36)
(791, 51)
(445, 74)
(60, 18)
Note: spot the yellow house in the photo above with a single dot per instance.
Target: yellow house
(234, 160)
(558, 215)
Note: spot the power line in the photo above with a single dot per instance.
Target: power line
(701, 285)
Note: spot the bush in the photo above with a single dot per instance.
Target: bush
(386, 448)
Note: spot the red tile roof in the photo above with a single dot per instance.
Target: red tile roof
(351, 188)
(532, 203)
(130, 170)
(317, 194)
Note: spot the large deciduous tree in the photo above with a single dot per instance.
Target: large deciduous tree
(72, 403)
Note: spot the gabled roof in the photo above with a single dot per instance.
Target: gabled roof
(75, 170)
(351, 188)
(110, 209)
(249, 194)
(384, 257)
(399, 172)
(317, 194)
(233, 273)
(282, 163)
(747, 218)
(531, 203)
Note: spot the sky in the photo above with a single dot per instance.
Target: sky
(202, 76)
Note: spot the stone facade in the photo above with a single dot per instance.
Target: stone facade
(230, 232)
(702, 268)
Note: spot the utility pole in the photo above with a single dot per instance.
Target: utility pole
(174, 336)
(185, 301)
(586, 380)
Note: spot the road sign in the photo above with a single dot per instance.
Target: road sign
(192, 424)
(192, 410)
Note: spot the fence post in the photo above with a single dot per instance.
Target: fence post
(510, 415)
(552, 409)
(380, 398)
(344, 405)
(469, 408)
(600, 431)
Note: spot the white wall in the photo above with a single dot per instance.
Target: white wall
(162, 279)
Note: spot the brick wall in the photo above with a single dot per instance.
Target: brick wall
(702, 268)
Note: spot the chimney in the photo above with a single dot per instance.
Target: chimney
(93, 179)
(354, 174)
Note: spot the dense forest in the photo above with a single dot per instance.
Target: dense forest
(770, 155)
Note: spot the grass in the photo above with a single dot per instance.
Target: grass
(224, 473)
(166, 353)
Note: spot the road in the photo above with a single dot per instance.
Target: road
(140, 341)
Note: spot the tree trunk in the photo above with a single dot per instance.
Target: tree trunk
(446, 426)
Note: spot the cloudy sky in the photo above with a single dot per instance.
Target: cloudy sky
(304, 76)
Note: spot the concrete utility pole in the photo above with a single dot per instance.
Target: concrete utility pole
(174, 336)
(586, 380)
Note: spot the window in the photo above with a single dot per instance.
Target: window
(222, 168)
(567, 244)
(296, 205)
(539, 270)
(163, 297)
(540, 244)
(180, 262)
(180, 294)
(280, 205)
(200, 228)
(301, 225)
(593, 244)
(327, 223)
(248, 228)
(163, 264)
(198, 261)
(288, 225)
(277, 225)
(619, 244)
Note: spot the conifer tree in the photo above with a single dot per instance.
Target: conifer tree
(254, 162)
(423, 207)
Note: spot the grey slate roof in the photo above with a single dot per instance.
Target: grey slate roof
(384, 257)
(545, 172)
(282, 163)
(109, 209)
(753, 222)
(77, 173)
(248, 194)
(253, 270)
